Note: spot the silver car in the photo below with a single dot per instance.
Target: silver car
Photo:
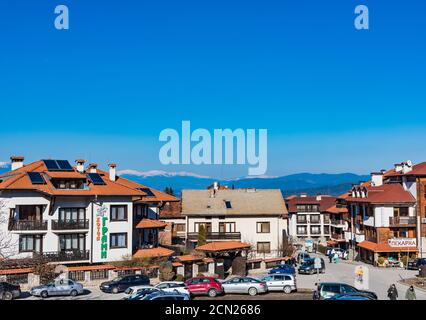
(245, 285)
(280, 282)
(63, 287)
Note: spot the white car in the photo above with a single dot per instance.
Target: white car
(280, 282)
(139, 292)
(166, 286)
(173, 286)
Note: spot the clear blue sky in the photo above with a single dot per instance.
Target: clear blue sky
(334, 99)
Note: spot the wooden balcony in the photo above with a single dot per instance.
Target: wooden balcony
(402, 221)
(216, 236)
(28, 225)
(65, 256)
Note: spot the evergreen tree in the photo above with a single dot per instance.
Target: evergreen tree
(201, 235)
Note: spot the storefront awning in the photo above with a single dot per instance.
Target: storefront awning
(384, 247)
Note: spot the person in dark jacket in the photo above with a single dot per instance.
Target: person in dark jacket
(316, 295)
(392, 292)
(410, 294)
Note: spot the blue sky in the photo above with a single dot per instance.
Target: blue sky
(333, 99)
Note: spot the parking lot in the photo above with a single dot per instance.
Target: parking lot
(379, 281)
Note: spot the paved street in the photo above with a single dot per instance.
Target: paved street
(379, 278)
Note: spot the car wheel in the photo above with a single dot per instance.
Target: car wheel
(114, 290)
(311, 271)
(74, 293)
(212, 293)
(252, 291)
(44, 294)
(287, 289)
(7, 295)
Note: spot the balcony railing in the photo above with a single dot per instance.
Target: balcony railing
(64, 256)
(398, 221)
(216, 236)
(28, 225)
(70, 225)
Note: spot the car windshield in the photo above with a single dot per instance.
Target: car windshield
(308, 262)
(118, 279)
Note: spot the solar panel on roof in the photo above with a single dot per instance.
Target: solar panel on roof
(148, 192)
(36, 178)
(51, 165)
(95, 178)
(64, 165)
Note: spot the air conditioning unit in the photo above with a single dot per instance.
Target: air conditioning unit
(423, 220)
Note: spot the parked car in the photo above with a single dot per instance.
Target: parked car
(352, 296)
(132, 291)
(246, 285)
(173, 286)
(161, 295)
(204, 286)
(416, 264)
(283, 269)
(120, 284)
(141, 292)
(308, 267)
(63, 287)
(280, 282)
(302, 257)
(9, 291)
(327, 290)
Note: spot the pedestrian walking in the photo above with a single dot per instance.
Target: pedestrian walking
(316, 295)
(410, 294)
(331, 255)
(392, 292)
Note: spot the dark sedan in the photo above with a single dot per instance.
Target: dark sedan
(9, 291)
(120, 284)
(283, 269)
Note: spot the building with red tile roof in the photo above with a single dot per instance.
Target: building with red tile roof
(76, 214)
(309, 218)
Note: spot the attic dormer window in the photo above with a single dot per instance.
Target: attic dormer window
(228, 204)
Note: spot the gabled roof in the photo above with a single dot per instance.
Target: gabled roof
(153, 253)
(231, 202)
(171, 210)
(150, 224)
(387, 193)
(19, 180)
(417, 170)
(324, 202)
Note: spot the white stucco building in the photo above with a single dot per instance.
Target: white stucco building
(254, 216)
(75, 214)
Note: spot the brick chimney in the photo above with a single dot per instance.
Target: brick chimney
(112, 171)
(17, 162)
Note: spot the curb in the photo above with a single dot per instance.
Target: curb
(406, 284)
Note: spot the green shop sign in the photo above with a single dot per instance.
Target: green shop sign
(102, 230)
